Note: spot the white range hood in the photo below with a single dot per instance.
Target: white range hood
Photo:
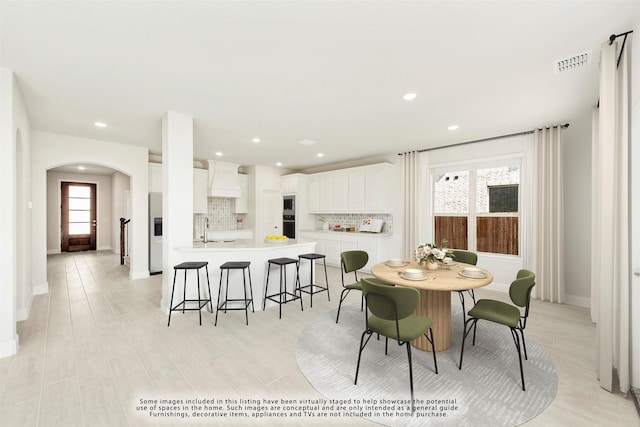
(223, 179)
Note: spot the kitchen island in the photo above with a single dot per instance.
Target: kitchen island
(256, 251)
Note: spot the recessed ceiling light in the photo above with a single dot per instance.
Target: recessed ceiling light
(320, 155)
(256, 140)
(409, 96)
(453, 127)
(100, 124)
(81, 168)
(218, 154)
(279, 164)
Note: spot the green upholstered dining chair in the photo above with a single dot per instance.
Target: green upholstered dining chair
(471, 258)
(390, 313)
(505, 314)
(352, 262)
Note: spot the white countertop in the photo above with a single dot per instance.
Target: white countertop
(244, 244)
(347, 233)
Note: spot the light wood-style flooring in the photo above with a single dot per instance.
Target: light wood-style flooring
(98, 342)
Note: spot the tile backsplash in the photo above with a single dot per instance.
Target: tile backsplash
(220, 214)
(348, 220)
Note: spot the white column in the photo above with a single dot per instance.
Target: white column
(177, 195)
(8, 336)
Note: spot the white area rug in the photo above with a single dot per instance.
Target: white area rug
(486, 392)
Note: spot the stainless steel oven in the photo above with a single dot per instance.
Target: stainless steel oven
(289, 205)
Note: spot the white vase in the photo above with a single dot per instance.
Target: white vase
(431, 265)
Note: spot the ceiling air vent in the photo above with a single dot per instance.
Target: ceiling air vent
(572, 63)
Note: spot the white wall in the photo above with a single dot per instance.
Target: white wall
(576, 152)
(16, 287)
(105, 221)
(24, 281)
(52, 150)
(8, 336)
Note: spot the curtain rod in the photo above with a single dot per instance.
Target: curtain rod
(526, 132)
(612, 38)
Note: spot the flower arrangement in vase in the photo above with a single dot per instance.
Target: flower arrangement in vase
(431, 255)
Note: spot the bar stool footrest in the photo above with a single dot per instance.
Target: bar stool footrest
(285, 300)
(312, 291)
(245, 304)
(183, 303)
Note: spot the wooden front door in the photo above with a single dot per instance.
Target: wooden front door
(78, 217)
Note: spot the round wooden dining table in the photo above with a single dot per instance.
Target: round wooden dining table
(435, 295)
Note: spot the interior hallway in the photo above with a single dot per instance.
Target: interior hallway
(98, 342)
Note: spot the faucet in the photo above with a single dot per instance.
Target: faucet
(206, 227)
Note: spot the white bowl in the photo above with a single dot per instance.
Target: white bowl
(413, 273)
(472, 271)
(395, 261)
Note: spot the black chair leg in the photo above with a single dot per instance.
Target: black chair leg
(464, 311)
(516, 340)
(413, 408)
(433, 349)
(467, 328)
(343, 295)
(363, 344)
(524, 346)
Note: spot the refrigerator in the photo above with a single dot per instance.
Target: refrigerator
(155, 233)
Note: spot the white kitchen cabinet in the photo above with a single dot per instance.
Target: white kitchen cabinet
(361, 189)
(241, 204)
(356, 189)
(333, 251)
(340, 192)
(200, 190)
(292, 184)
(333, 243)
(370, 245)
(155, 177)
(313, 194)
(326, 193)
(376, 185)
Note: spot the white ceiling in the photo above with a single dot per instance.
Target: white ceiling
(330, 72)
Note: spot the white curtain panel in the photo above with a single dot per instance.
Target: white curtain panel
(610, 272)
(548, 216)
(410, 188)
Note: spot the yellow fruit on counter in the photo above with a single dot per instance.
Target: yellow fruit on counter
(273, 237)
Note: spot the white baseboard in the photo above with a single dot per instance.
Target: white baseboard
(53, 251)
(41, 289)
(104, 248)
(135, 275)
(579, 301)
(9, 348)
(23, 313)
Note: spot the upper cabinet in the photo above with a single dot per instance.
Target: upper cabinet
(155, 177)
(292, 184)
(355, 190)
(240, 204)
(200, 190)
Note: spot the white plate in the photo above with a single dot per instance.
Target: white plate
(468, 276)
(396, 265)
(412, 278)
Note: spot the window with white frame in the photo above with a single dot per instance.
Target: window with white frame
(476, 206)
